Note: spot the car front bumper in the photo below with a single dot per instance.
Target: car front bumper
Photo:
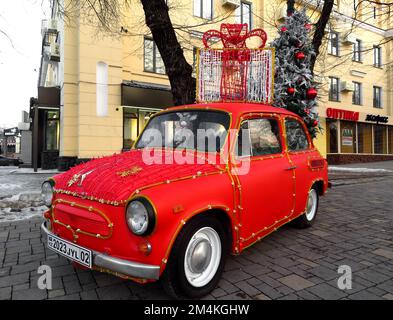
(125, 267)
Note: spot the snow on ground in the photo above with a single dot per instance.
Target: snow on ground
(20, 196)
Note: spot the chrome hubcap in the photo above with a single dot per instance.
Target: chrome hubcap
(201, 253)
(203, 256)
(312, 202)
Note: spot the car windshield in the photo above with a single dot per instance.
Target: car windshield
(202, 130)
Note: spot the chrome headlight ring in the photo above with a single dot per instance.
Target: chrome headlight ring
(140, 216)
(47, 192)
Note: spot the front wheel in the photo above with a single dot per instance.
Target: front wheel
(307, 219)
(197, 258)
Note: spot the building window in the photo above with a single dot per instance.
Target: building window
(357, 51)
(332, 135)
(203, 9)
(102, 89)
(357, 93)
(377, 97)
(333, 43)
(52, 130)
(380, 139)
(243, 14)
(134, 120)
(365, 144)
(348, 137)
(152, 58)
(377, 56)
(390, 139)
(334, 89)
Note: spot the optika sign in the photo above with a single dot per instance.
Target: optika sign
(342, 114)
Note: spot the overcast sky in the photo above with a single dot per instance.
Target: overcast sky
(19, 60)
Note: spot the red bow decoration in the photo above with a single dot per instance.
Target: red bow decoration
(234, 35)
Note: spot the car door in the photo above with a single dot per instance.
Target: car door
(299, 146)
(266, 188)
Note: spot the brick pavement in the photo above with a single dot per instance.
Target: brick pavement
(354, 227)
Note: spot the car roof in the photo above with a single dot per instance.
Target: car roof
(236, 108)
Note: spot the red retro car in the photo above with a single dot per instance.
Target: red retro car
(202, 181)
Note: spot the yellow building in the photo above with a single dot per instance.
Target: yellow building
(109, 84)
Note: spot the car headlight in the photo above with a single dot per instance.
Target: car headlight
(47, 193)
(140, 216)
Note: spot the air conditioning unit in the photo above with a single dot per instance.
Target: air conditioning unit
(48, 26)
(346, 86)
(233, 3)
(349, 38)
(55, 52)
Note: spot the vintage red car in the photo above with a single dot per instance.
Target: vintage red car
(201, 182)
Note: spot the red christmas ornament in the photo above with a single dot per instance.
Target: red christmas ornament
(307, 111)
(291, 91)
(308, 26)
(300, 55)
(311, 93)
(315, 123)
(283, 29)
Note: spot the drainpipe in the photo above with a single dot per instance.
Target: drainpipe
(35, 139)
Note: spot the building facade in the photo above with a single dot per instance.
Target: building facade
(109, 85)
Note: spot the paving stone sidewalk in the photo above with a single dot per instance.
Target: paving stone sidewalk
(354, 227)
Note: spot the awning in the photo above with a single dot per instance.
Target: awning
(48, 97)
(146, 95)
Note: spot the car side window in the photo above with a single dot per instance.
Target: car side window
(296, 136)
(258, 137)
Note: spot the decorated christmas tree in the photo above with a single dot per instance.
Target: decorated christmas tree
(294, 88)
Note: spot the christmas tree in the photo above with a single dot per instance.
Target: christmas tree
(294, 88)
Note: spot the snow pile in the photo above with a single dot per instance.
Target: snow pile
(21, 206)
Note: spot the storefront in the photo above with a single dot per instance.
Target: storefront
(353, 136)
(45, 115)
(139, 102)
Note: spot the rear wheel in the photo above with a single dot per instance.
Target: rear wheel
(307, 219)
(197, 258)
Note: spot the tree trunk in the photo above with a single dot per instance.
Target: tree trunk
(179, 71)
(290, 7)
(320, 29)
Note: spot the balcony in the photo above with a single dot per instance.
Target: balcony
(49, 26)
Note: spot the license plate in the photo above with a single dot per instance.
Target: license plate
(71, 251)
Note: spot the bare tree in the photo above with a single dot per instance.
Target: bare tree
(320, 29)
(166, 35)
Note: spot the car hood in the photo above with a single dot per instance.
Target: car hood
(114, 178)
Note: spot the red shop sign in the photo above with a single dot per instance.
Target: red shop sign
(342, 114)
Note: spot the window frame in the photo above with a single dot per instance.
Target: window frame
(331, 97)
(377, 51)
(310, 145)
(379, 90)
(357, 85)
(337, 42)
(154, 60)
(259, 117)
(357, 51)
(239, 18)
(201, 10)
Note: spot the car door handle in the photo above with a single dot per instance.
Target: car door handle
(291, 168)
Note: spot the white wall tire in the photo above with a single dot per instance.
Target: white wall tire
(197, 258)
(307, 219)
(202, 258)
